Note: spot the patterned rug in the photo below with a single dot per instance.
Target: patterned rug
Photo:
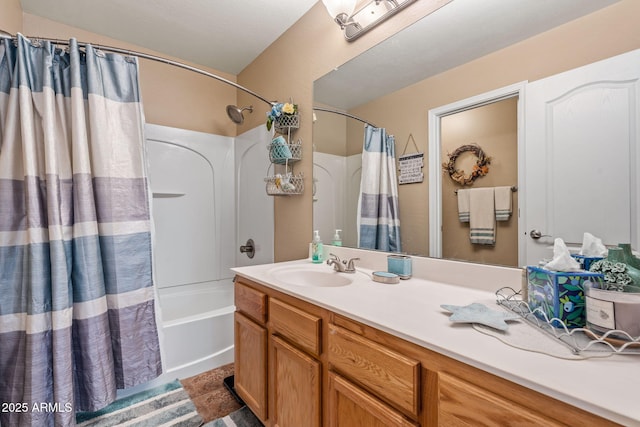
(243, 417)
(166, 405)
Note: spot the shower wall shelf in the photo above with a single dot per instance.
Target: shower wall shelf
(282, 153)
(579, 340)
(283, 185)
(282, 156)
(286, 122)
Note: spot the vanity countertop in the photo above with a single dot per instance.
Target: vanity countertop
(411, 310)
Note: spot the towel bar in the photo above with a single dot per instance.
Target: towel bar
(514, 188)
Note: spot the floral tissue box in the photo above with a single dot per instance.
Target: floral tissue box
(559, 295)
(585, 261)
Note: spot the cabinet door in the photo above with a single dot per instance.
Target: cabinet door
(296, 387)
(350, 406)
(251, 364)
(464, 404)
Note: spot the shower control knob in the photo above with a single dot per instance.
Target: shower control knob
(248, 248)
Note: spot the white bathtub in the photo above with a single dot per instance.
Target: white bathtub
(197, 327)
(196, 331)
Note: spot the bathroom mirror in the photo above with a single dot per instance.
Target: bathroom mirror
(434, 46)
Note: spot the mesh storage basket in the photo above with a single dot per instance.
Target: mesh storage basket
(286, 122)
(280, 153)
(284, 185)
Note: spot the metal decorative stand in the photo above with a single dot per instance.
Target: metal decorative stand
(283, 153)
(579, 340)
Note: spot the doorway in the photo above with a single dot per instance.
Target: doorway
(446, 130)
(494, 129)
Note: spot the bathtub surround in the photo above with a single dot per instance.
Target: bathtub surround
(207, 201)
(78, 315)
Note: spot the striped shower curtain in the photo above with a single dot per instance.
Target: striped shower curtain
(378, 217)
(77, 314)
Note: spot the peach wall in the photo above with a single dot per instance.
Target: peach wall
(11, 16)
(330, 133)
(171, 96)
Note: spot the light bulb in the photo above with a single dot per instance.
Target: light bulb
(338, 7)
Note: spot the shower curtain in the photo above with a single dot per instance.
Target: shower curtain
(378, 218)
(77, 314)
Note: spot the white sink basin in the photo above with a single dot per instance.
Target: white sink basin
(317, 276)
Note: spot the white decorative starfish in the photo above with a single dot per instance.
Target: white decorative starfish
(479, 313)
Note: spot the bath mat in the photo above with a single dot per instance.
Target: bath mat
(243, 417)
(209, 394)
(168, 405)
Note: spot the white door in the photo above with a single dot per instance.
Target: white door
(582, 133)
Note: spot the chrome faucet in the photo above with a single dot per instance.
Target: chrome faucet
(342, 266)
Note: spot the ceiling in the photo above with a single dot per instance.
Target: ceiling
(459, 32)
(226, 35)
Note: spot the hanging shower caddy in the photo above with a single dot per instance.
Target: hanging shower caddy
(283, 153)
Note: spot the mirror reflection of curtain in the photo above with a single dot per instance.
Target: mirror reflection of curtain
(378, 217)
(77, 315)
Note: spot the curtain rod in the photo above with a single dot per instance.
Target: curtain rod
(7, 35)
(342, 113)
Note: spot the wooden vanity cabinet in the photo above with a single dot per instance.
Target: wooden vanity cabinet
(250, 367)
(300, 365)
(281, 377)
(296, 373)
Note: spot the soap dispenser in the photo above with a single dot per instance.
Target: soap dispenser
(337, 240)
(316, 248)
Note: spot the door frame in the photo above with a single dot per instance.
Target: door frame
(435, 155)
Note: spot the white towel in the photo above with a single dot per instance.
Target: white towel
(503, 203)
(463, 205)
(482, 216)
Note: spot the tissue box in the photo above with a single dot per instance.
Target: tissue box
(585, 261)
(559, 294)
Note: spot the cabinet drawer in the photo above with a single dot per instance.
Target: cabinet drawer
(297, 326)
(349, 406)
(389, 375)
(251, 302)
(461, 402)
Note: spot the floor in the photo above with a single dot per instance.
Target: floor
(209, 394)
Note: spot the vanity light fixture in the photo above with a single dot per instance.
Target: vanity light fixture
(368, 16)
(340, 10)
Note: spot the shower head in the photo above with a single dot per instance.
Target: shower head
(235, 113)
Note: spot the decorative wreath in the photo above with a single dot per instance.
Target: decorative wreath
(481, 167)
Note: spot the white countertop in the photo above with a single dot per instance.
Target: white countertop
(411, 310)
